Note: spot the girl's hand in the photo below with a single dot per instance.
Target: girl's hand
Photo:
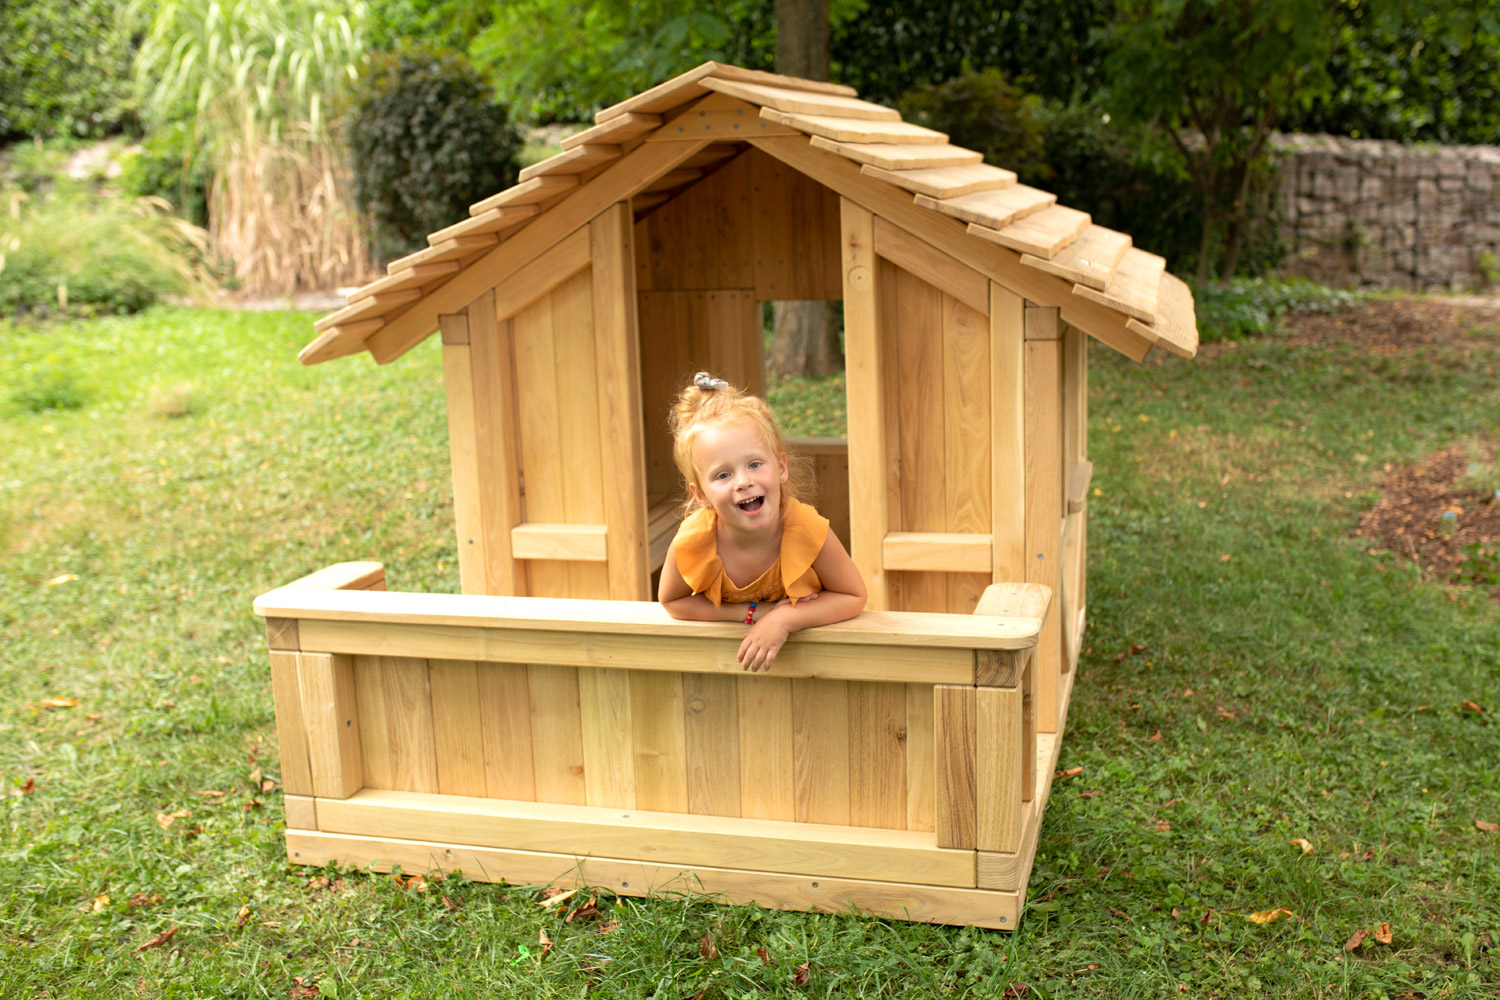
(762, 643)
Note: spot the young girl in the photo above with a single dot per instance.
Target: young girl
(744, 524)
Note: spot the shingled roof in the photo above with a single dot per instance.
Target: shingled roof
(1019, 235)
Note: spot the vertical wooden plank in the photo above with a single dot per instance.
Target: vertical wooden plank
(492, 367)
(1028, 728)
(1007, 434)
(608, 757)
(664, 353)
(458, 734)
(887, 303)
(796, 222)
(660, 743)
(1000, 759)
(1075, 446)
(820, 750)
(557, 758)
(408, 721)
(920, 390)
(374, 743)
(579, 429)
(291, 729)
(920, 760)
(712, 742)
(1044, 499)
(618, 389)
(767, 773)
(966, 438)
(877, 755)
(542, 463)
(954, 739)
(868, 464)
(463, 454)
(330, 712)
(505, 714)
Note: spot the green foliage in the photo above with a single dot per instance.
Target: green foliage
(1049, 47)
(47, 386)
(986, 113)
(165, 167)
(65, 69)
(1432, 74)
(75, 251)
(427, 141)
(1243, 307)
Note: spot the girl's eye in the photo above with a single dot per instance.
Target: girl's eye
(756, 464)
(721, 475)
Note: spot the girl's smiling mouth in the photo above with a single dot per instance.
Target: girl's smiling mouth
(752, 505)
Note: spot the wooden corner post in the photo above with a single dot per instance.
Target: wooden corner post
(1044, 497)
(869, 519)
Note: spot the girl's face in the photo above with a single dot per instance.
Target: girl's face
(739, 476)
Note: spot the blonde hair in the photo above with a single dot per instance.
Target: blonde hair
(709, 402)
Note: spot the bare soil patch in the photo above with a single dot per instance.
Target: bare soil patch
(1423, 514)
(1388, 325)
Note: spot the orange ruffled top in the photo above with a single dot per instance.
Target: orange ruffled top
(803, 532)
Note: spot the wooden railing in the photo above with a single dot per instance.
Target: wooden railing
(895, 748)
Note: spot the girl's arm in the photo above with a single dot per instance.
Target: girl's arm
(678, 598)
(842, 597)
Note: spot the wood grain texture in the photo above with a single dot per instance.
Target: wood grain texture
(458, 732)
(1044, 508)
(999, 756)
(374, 741)
(795, 225)
(900, 156)
(877, 755)
(820, 750)
(966, 442)
(954, 739)
(505, 715)
(497, 445)
(857, 130)
(1176, 326)
(557, 759)
(866, 381)
(1007, 434)
(717, 116)
(1042, 233)
(330, 714)
(921, 773)
(711, 737)
(301, 811)
(1089, 260)
(281, 634)
(767, 770)
(1132, 289)
(916, 383)
(932, 265)
(937, 552)
(616, 130)
(658, 730)
(463, 455)
(804, 102)
(608, 752)
(291, 728)
(945, 182)
(408, 724)
(995, 208)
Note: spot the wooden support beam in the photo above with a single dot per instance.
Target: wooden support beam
(291, 727)
(576, 542)
(1000, 756)
(301, 811)
(911, 253)
(869, 499)
(463, 453)
(954, 722)
(497, 446)
(331, 718)
(1044, 496)
(718, 116)
(1007, 434)
(937, 552)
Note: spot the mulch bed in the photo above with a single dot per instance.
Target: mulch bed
(1422, 515)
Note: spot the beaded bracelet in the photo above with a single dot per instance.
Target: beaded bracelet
(750, 615)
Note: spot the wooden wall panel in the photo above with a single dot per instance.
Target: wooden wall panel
(491, 358)
(505, 715)
(458, 732)
(712, 741)
(657, 730)
(608, 753)
(767, 776)
(1044, 498)
(877, 755)
(921, 760)
(557, 735)
(820, 750)
(966, 439)
(870, 458)
(374, 744)
(797, 229)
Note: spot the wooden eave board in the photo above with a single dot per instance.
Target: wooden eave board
(900, 156)
(419, 275)
(537, 189)
(801, 101)
(1042, 234)
(686, 86)
(857, 130)
(571, 161)
(1089, 260)
(945, 182)
(1176, 326)
(376, 305)
(496, 220)
(616, 130)
(996, 208)
(1132, 289)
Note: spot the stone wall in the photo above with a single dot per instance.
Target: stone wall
(1376, 214)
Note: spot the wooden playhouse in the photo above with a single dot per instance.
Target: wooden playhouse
(552, 724)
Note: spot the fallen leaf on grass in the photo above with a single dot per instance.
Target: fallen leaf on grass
(165, 820)
(1071, 772)
(1015, 991)
(254, 776)
(222, 659)
(1087, 968)
(241, 917)
(57, 581)
(27, 788)
(1472, 706)
(1487, 827)
(1269, 916)
(1356, 939)
(59, 702)
(706, 949)
(157, 941)
(450, 904)
(416, 883)
(267, 785)
(552, 896)
(1307, 848)
(1187, 692)
(1088, 795)
(764, 956)
(588, 911)
(211, 793)
(1225, 557)
(803, 973)
(141, 900)
(98, 903)
(1155, 737)
(318, 882)
(302, 989)
(1137, 649)
(608, 926)
(1383, 933)
(543, 940)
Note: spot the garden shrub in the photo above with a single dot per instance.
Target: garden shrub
(75, 252)
(986, 113)
(427, 142)
(165, 167)
(66, 69)
(1252, 307)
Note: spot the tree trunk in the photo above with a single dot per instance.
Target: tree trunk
(805, 337)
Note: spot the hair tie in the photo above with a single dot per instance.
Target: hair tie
(704, 380)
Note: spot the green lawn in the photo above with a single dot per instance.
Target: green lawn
(1302, 688)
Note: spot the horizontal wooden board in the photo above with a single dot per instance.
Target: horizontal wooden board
(1132, 289)
(641, 835)
(538, 189)
(496, 220)
(1020, 600)
(937, 552)
(686, 86)
(1176, 326)
(717, 116)
(572, 161)
(801, 101)
(930, 904)
(945, 182)
(412, 276)
(900, 156)
(996, 208)
(575, 542)
(855, 129)
(1089, 260)
(617, 130)
(632, 618)
(1043, 233)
